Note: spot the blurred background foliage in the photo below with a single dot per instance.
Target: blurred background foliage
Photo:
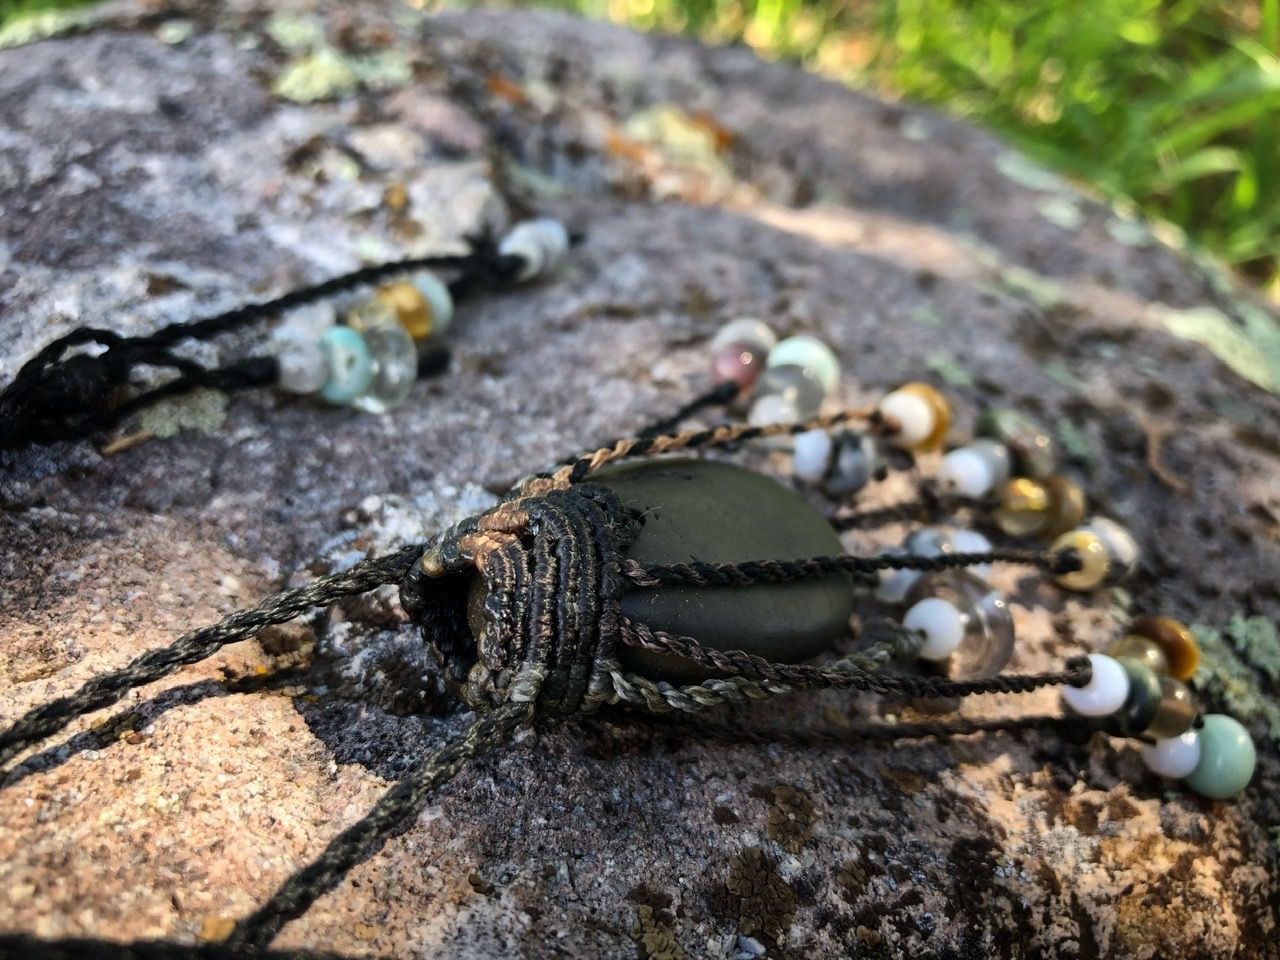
(1169, 107)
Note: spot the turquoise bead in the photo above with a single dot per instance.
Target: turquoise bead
(350, 365)
(1227, 758)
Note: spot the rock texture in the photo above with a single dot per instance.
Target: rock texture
(157, 164)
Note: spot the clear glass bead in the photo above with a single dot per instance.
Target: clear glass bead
(812, 355)
(987, 643)
(798, 385)
(395, 367)
(746, 330)
(936, 541)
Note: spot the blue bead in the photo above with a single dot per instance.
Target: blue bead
(350, 365)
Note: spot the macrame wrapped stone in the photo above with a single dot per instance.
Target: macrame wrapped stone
(721, 513)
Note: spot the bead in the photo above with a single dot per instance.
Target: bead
(304, 366)
(922, 414)
(370, 313)
(1106, 691)
(967, 473)
(1227, 758)
(987, 642)
(1030, 446)
(410, 307)
(1141, 703)
(1145, 651)
(940, 622)
(1179, 646)
(439, 300)
(1024, 507)
(854, 462)
(811, 354)
(895, 584)
(812, 455)
(747, 330)
(997, 456)
(1066, 507)
(1177, 710)
(737, 363)
(696, 508)
(797, 383)
(524, 242)
(1173, 757)
(554, 238)
(350, 365)
(1093, 559)
(1122, 549)
(935, 541)
(773, 408)
(395, 367)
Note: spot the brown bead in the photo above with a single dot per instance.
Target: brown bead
(410, 306)
(941, 414)
(1179, 646)
(1024, 507)
(1066, 506)
(1144, 650)
(1176, 712)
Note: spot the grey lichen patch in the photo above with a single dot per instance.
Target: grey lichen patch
(790, 819)
(204, 411)
(1258, 641)
(951, 372)
(1043, 292)
(754, 897)
(1229, 679)
(1250, 345)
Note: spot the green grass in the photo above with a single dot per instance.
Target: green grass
(1171, 106)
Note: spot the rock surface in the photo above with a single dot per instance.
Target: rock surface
(160, 164)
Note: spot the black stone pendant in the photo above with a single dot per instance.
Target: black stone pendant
(718, 513)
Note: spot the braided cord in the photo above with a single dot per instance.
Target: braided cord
(366, 836)
(1077, 672)
(109, 688)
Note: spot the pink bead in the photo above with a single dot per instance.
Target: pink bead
(737, 362)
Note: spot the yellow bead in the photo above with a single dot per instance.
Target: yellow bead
(1066, 507)
(1093, 557)
(1179, 646)
(410, 306)
(1145, 651)
(941, 414)
(1024, 507)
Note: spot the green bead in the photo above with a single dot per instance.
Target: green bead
(350, 365)
(718, 513)
(1141, 704)
(1227, 758)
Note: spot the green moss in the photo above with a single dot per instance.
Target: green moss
(1228, 677)
(322, 75)
(1250, 345)
(40, 26)
(296, 33)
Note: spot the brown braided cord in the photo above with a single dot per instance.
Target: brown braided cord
(652, 445)
(1077, 673)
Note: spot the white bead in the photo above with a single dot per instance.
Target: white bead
(554, 239)
(773, 408)
(895, 584)
(438, 298)
(971, 541)
(745, 330)
(812, 455)
(914, 416)
(1119, 542)
(1106, 691)
(304, 367)
(966, 472)
(524, 242)
(1173, 757)
(942, 625)
(810, 353)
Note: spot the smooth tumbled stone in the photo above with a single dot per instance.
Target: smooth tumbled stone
(395, 367)
(1141, 703)
(304, 367)
(1173, 757)
(747, 330)
(720, 512)
(812, 355)
(350, 365)
(1032, 449)
(986, 642)
(1106, 691)
(1227, 758)
(1175, 640)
